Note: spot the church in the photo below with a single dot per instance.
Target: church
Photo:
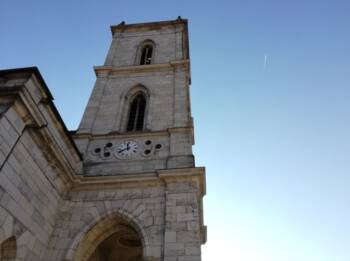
(123, 186)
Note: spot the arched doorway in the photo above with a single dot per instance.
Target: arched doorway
(113, 238)
(123, 245)
(8, 249)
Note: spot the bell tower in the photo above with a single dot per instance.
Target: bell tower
(137, 129)
(138, 118)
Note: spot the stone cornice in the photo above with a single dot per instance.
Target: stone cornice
(121, 135)
(174, 175)
(197, 174)
(132, 134)
(136, 69)
(180, 129)
(123, 27)
(82, 183)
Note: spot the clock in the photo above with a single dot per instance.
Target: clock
(126, 149)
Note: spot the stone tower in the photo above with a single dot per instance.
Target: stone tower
(138, 130)
(124, 186)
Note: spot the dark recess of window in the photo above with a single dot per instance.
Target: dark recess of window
(146, 55)
(136, 113)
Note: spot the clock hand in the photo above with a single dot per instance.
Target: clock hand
(119, 151)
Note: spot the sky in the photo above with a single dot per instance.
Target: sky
(270, 100)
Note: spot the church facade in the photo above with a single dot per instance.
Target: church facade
(124, 185)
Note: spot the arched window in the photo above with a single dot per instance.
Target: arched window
(146, 54)
(136, 113)
(8, 249)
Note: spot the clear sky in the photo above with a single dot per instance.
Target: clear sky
(270, 96)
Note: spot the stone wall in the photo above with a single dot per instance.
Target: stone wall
(29, 201)
(165, 212)
(35, 162)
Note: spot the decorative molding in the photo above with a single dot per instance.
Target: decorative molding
(123, 27)
(142, 179)
(103, 71)
(135, 134)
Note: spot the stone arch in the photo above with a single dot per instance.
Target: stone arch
(135, 89)
(93, 234)
(12, 233)
(136, 115)
(8, 249)
(139, 48)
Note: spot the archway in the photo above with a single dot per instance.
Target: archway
(124, 245)
(113, 238)
(8, 249)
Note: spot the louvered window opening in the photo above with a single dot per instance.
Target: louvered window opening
(146, 55)
(136, 113)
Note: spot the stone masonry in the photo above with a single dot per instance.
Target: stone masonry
(64, 194)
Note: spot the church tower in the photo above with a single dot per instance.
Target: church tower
(136, 138)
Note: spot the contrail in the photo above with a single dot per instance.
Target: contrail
(265, 60)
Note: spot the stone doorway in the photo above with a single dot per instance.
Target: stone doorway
(112, 238)
(8, 250)
(124, 245)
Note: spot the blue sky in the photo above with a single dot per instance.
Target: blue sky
(270, 96)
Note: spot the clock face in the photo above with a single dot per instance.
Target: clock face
(126, 149)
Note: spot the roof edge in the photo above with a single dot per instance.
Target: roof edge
(155, 25)
(34, 70)
(28, 70)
